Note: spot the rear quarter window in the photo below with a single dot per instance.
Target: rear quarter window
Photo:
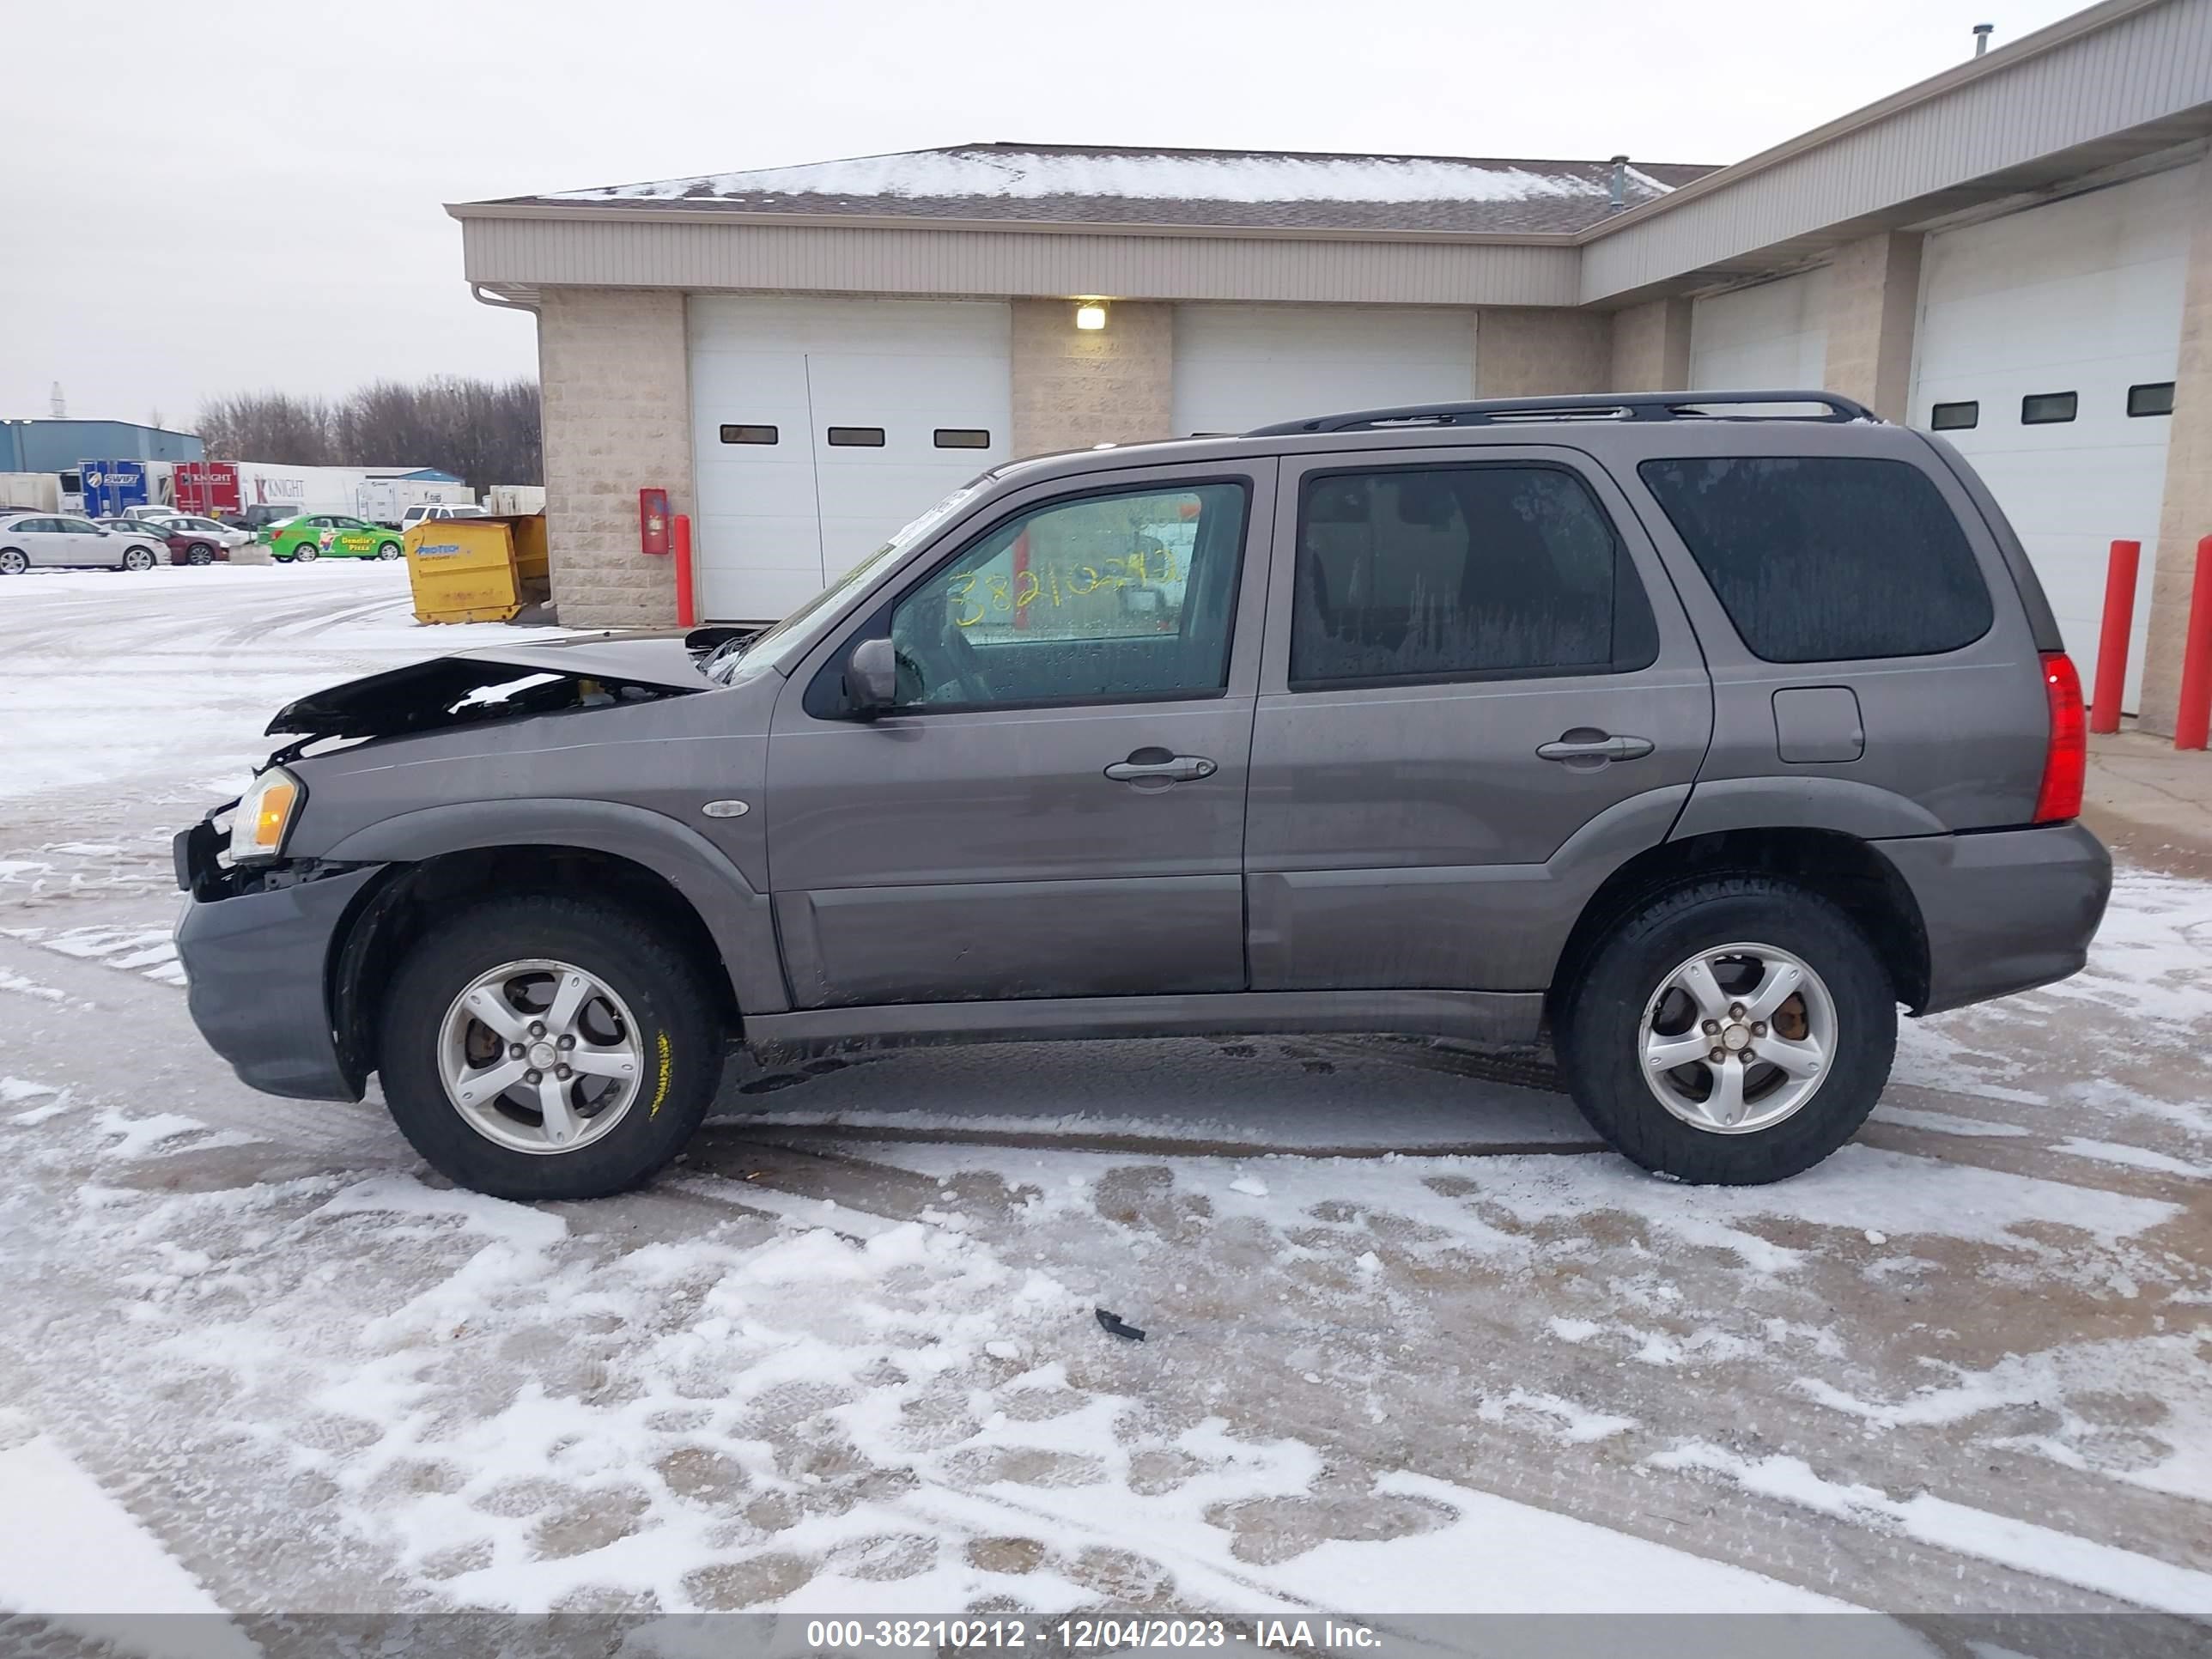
(1827, 559)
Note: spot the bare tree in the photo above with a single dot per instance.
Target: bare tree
(269, 426)
(486, 432)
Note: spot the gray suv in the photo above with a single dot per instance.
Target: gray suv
(1698, 730)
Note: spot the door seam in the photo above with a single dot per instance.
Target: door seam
(814, 466)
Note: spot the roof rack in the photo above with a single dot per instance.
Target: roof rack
(1600, 406)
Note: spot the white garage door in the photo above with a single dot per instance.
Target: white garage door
(1239, 367)
(819, 427)
(2078, 301)
(1774, 337)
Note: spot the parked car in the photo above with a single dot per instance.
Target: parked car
(172, 550)
(262, 515)
(197, 540)
(63, 538)
(332, 535)
(1698, 745)
(423, 510)
(157, 510)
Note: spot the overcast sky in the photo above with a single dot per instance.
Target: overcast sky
(227, 195)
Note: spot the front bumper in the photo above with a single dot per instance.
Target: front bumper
(2004, 910)
(256, 952)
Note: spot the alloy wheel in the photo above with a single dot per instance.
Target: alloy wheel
(1738, 1038)
(540, 1056)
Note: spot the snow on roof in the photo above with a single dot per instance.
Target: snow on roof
(1232, 188)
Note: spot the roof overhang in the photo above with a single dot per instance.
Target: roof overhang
(2075, 101)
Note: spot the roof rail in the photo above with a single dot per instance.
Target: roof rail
(1597, 406)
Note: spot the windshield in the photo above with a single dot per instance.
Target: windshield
(778, 647)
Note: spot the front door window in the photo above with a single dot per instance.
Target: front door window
(1107, 598)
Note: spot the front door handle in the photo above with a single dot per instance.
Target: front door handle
(1585, 747)
(1161, 766)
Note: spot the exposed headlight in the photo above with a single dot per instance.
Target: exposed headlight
(264, 814)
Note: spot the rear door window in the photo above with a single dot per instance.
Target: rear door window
(1827, 558)
(1474, 572)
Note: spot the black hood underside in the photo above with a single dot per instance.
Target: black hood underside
(541, 679)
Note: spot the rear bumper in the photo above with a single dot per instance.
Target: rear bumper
(255, 966)
(2004, 910)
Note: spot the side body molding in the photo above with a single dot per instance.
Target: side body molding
(740, 921)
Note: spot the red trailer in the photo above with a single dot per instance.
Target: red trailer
(207, 487)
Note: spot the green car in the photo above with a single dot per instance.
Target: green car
(331, 535)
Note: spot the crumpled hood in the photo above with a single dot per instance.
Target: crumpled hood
(537, 676)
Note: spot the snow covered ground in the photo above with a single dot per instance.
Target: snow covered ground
(1413, 1343)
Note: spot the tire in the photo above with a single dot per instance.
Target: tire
(672, 1027)
(1846, 1013)
(306, 553)
(13, 562)
(387, 550)
(199, 553)
(138, 558)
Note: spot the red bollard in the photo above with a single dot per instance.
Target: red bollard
(2112, 639)
(686, 609)
(2192, 721)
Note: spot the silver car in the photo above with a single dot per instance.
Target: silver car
(62, 538)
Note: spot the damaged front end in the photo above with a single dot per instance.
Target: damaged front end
(551, 678)
(240, 847)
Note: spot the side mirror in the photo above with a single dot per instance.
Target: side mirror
(872, 677)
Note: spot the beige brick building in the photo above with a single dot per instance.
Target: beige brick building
(2016, 253)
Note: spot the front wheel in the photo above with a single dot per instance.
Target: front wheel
(1735, 1031)
(199, 553)
(13, 562)
(546, 1048)
(138, 558)
(387, 550)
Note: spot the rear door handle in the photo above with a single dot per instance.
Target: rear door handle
(1159, 766)
(1593, 748)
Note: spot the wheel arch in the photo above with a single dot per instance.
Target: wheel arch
(1840, 867)
(387, 919)
(442, 855)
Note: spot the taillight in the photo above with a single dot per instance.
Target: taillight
(2067, 757)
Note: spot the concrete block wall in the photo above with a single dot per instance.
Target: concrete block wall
(1874, 300)
(615, 383)
(2186, 515)
(1524, 351)
(1073, 389)
(1652, 347)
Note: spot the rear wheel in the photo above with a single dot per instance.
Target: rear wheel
(543, 1048)
(306, 552)
(199, 553)
(1736, 1031)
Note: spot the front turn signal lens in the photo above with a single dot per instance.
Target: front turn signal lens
(264, 814)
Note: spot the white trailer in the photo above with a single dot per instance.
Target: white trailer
(41, 492)
(270, 485)
(385, 500)
(511, 500)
